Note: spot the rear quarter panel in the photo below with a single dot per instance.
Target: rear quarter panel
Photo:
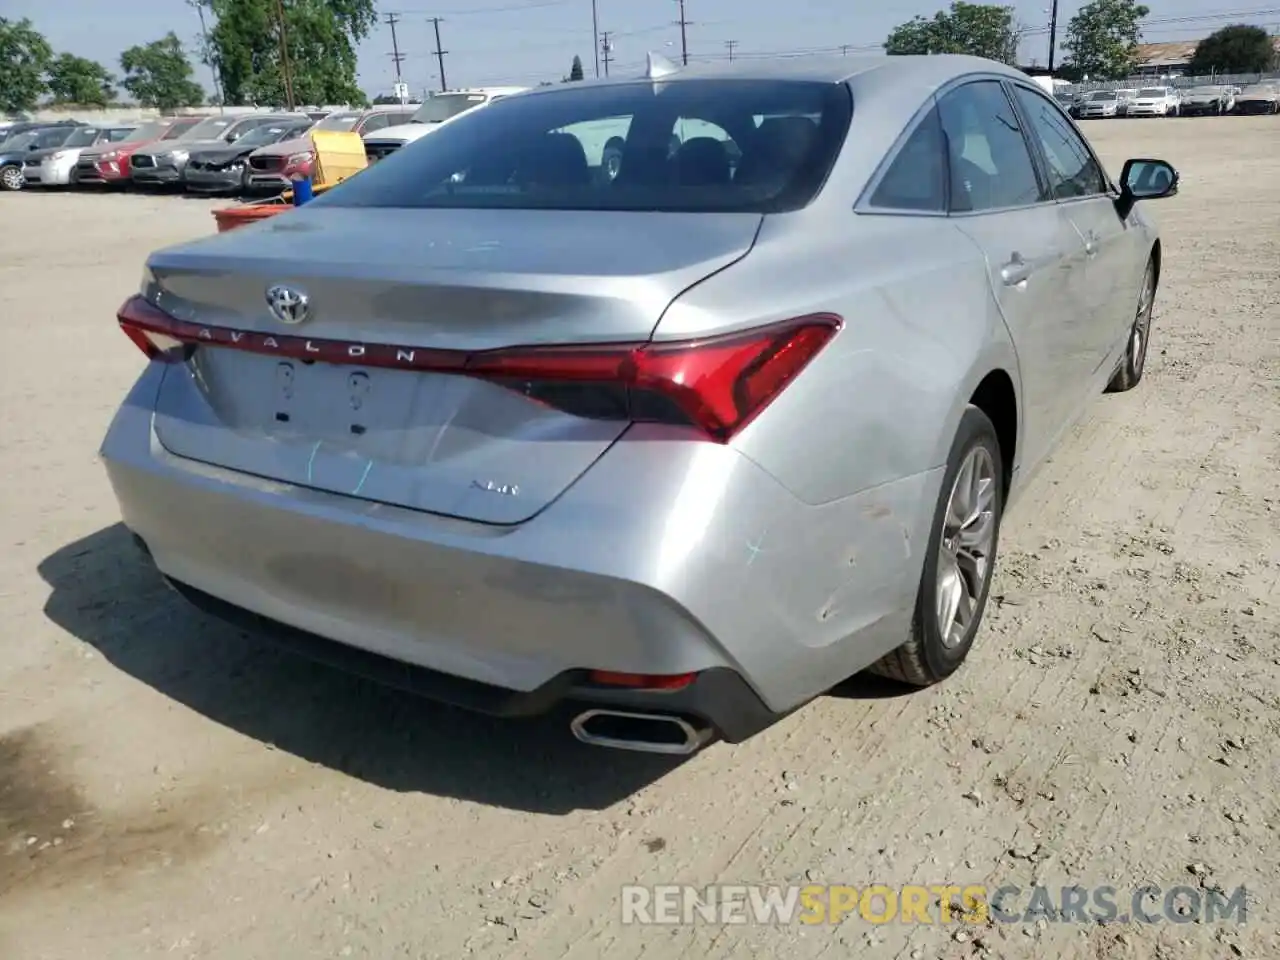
(883, 400)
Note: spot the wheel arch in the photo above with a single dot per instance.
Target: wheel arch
(996, 397)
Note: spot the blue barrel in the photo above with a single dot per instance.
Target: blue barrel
(301, 191)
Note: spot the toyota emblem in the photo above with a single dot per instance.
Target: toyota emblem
(288, 304)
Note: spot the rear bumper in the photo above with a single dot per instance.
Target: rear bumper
(718, 697)
(666, 557)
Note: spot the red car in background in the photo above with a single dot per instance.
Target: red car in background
(109, 163)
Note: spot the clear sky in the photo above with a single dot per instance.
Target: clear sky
(525, 41)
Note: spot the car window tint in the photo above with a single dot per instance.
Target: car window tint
(1072, 170)
(990, 161)
(546, 150)
(916, 179)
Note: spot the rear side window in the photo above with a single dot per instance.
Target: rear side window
(691, 145)
(990, 161)
(916, 179)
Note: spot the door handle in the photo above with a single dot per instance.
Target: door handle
(1091, 244)
(1016, 271)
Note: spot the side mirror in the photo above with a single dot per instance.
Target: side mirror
(1145, 180)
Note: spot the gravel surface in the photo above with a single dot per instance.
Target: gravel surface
(171, 786)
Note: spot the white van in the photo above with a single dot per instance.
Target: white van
(438, 109)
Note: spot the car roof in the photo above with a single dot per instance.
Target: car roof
(932, 71)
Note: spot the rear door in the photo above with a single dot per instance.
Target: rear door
(1078, 183)
(1034, 255)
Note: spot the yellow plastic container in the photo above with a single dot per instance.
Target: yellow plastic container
(339, 154)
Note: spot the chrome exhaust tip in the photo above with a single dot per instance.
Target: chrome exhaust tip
(642, 732)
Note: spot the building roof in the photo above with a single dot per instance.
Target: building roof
(1176, 53)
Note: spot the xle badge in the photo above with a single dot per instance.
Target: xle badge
(505, 489)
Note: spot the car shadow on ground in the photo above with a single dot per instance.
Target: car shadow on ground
(106, 593)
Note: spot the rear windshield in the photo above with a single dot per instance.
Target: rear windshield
(210, 128)
(442, 106)
(691, 145)
(1104, 95)
(342, 121)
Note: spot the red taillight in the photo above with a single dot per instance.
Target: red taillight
(146, 326)
(718, 384)
(642, 681)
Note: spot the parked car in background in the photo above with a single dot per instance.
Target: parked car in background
(55, 166)
(1126, 95)
(1100, 104)
(1208, 100)
(1258, 98)
(223, 169)
(26, 126)
(1153, 102)
(273, 167)
(15, 151)
(163, 164)
(110, 163)
(438, 109)
(688, 447)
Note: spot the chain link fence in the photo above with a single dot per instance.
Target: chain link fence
(1179, 83)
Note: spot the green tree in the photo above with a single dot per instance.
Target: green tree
(77, 80)
(1102, 38)
(25, 55)
(575, 71)
(245, 48)
(158, 74)
(978, 29)
(1236, 49)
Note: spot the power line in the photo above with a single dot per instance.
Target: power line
(730, 44)
(684, 37)
(435, 22)
(396, 56)
(606, 50)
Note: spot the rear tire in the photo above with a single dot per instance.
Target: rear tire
(11, 177)
(1129, 373)
(960, 557)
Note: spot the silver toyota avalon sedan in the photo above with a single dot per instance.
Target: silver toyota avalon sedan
(686, 445)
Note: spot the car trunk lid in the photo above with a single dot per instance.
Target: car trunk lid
(414, 280)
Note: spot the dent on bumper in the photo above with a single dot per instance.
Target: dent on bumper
(666, 557)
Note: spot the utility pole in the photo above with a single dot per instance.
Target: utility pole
(1053, 33)
(435, 22)
(208, 58)
(606, 51)
(731, 44)
(684, 39)
(595, 39)
(286, 70)
(396, 56)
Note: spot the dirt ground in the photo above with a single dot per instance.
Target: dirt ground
(170, 786)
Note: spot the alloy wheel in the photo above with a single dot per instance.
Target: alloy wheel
(966, 547)
(11, 178)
